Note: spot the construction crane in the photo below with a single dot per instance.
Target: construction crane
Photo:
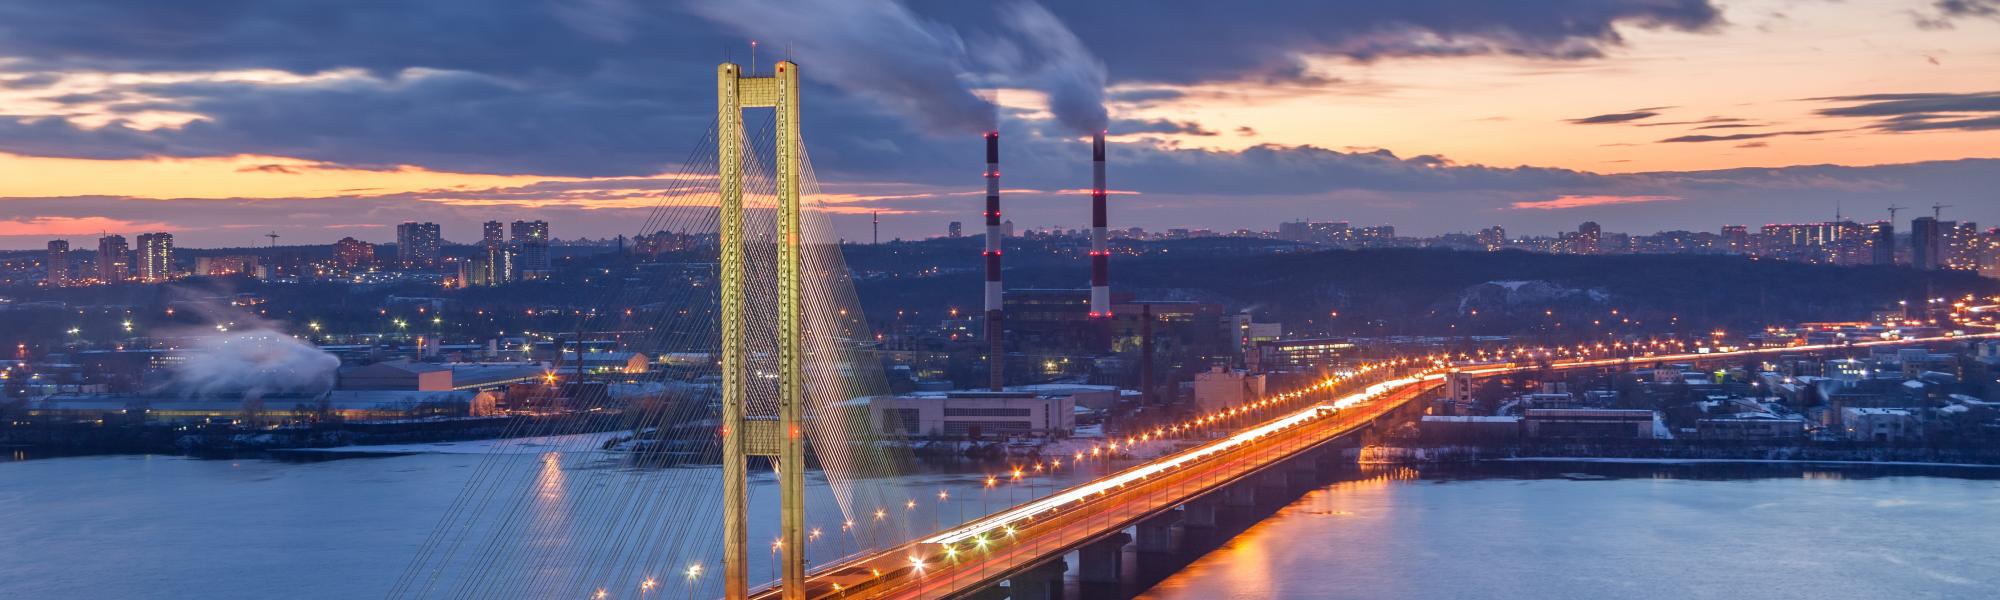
(1892, 212)
(1937, 211)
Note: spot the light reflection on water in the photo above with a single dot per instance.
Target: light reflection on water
(1514, 531)
(347, 528)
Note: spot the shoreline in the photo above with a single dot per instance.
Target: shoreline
(1709, 461)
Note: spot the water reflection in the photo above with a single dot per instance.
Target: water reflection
(1578, 530)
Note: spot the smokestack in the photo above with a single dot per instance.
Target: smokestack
(995, 317)
(1146, 392)
(1100, 275)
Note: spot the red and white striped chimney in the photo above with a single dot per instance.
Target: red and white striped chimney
(1100, 257)
(995, 317)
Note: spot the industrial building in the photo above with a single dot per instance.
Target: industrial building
(974, 414)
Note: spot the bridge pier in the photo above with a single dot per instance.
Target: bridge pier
(1273, 486)
(1304, 472)
(991, 592)
(1100, 561)
(1156, 534)
(1242, 494)
(1042, 582)
(1201, 512)
(1327, 460)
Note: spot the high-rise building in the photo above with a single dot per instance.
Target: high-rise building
(955, 230)
(1926, 244)
(57, 264)
(1989, 253)
(495, 264)
(1735, 239)
(1882, 242)
(1960, 245)
(531, 249)
(1493, 238)
(114, 259)
(417, 244)
(494, 234)
(156, 257)
(351, 253)
(1590, 238)
(1830, 242)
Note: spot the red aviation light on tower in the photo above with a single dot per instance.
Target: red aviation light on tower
(1100, 277)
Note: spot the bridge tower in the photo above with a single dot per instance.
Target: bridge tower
(780, 437)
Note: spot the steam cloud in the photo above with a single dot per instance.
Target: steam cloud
(250, 360)
(882, 50)
(1058, 63)
(873, 48)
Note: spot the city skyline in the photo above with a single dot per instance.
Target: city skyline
(1533, 118)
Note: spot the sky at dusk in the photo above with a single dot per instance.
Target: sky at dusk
(219, 120)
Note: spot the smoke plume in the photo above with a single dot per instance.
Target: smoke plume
(1055, 61)
(882, 50)
(243, 355)
(873, 48)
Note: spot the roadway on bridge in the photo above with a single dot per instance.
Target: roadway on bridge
(983, 552)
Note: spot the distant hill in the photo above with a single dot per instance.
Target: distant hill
(1410, 291)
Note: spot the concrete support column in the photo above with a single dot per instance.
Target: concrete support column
(1274, 484)
(1156, 535)
(1099, 561)
(1304, 472)
(1242, 494)
(1327, 460)
(1202, 512)
(1043, 582)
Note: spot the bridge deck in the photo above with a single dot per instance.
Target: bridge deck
(981, 553)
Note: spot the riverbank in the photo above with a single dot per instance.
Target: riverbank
(1683, 451)
(73, 438)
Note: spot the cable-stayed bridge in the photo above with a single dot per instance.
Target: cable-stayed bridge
(676, 486)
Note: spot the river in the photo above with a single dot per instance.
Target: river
(177, 527)
(1587, 531)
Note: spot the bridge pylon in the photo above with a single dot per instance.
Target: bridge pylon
(780, 437)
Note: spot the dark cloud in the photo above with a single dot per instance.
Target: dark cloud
(1694, 122)
(1158, 41)
(619, 87)
(872, 48)
(1160, 126)
(1909, 112)
(1624, 117)
(1145, 96)
(1880, 105)
(1742, 136)
(29, 81)
(1923, 122)
(1421, 195)
(1952, 10)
